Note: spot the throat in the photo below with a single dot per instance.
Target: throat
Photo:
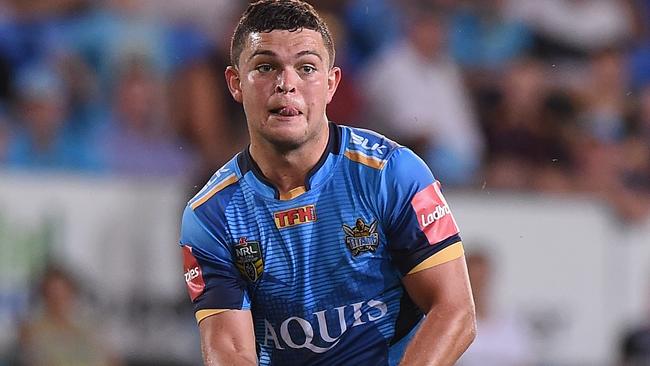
(288, 171)
(288, 179)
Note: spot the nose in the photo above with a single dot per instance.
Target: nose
(286, 82)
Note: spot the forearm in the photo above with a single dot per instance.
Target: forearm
(227, 338)
(442, 338)
(223, 357)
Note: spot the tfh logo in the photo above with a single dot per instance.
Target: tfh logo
(295, 216)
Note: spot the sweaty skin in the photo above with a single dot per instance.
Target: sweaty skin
(284, 82)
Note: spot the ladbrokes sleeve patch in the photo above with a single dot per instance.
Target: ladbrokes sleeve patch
(433, 214)
(193, 274)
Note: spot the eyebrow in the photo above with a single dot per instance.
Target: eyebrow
(273, 54)
(310, 52)
(261, 53)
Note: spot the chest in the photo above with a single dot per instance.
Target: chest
(323, 242)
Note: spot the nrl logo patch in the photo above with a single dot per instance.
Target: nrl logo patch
(248, 258)
(361, 237)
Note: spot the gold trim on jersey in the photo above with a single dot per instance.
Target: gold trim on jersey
(202, 314)
(296, 192)
(364, 159)
(448, 254)
(223, 184)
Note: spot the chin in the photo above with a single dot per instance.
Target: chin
(287, 136)
(286, 141)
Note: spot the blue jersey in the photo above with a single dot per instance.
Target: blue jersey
(320, 268)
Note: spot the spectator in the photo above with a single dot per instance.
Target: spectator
(138, 140)
(634, 346)
(574, 28)
(4, 136)
(612, 153)
(485, 37)
(604, 96)
(502, 339)
(213, 18)
(639, 55)
(42, 138)
(529, 127)
(177, 57)
(346, 107)
(415, 92)
(56, 333)
(635, 158)
(365, 42)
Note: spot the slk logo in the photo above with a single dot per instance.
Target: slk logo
(365, 143)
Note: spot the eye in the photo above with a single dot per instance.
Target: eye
(307, 69)
(264, 68)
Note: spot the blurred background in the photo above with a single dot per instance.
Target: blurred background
(534, 114)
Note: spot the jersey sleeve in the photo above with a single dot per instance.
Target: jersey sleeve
(213, 282)
(420, 228)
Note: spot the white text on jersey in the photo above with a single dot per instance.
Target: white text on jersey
(364, 142)
(325, 338)
(437, 214)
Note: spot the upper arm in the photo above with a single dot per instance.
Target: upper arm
(419, 225)
(213, 281)
(217, 291)
(228, 338)
(444, 286)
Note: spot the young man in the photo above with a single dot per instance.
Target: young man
(319, 244)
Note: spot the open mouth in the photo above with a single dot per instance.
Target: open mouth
(286, 111)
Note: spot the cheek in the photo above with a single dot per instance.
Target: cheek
(316, 95)
(253, 99)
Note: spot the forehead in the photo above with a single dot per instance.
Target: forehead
(284, 43)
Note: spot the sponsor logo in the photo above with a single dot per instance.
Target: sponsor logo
(193, 276)
(437, 214)
(295, 216)
(323, 329)
(365, 143)
(361, 237)
(248, 259)
(192, 273)
(213, 179)
(433, 214)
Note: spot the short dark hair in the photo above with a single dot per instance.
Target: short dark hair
(268, 15)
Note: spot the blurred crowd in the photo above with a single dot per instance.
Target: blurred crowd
(543, 96)
(547, 96)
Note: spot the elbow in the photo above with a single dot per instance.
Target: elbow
(464, 324)
(469, 325)
(472, 329)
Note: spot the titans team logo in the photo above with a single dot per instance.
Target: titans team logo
(361, 237)
(248, 258)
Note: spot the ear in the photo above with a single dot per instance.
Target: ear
(333, 79)
(234, 83)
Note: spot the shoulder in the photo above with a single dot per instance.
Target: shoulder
(377, 151)
(219, 186)
(367, 147)
(405, 165)
(204, 217)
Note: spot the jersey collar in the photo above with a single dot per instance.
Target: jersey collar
(317, 175)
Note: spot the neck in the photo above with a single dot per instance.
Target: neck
(288, 170)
